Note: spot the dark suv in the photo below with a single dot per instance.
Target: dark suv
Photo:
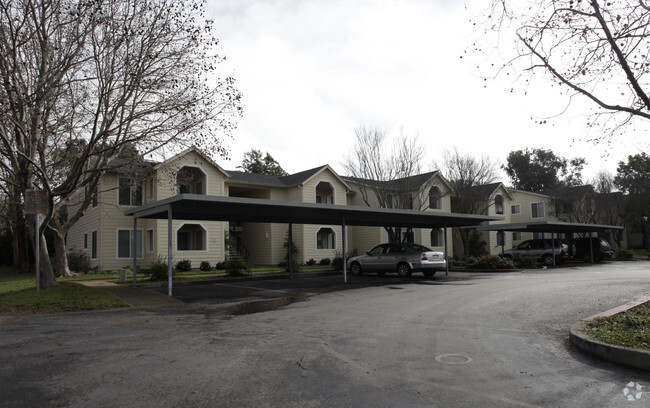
(601, 249)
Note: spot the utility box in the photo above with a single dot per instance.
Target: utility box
(122, 275)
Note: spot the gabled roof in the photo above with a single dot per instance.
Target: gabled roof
(292, 180)
(486, 190)
(569, 192)
(416, 181)
(190, 150)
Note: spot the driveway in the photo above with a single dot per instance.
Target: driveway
(490, 340)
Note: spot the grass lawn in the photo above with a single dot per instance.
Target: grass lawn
(18, 295)
(629, 329)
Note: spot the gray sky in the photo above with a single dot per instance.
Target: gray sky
(312, 71)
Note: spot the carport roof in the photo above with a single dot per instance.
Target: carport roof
(548, 226)
(218, 208)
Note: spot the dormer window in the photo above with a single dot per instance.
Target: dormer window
(434, 198)
(498, 204)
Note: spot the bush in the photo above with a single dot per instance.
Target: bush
(311, 262)
(337, 263)
(325, 261)
(159, 269)
(236, 267)
(624, 254)
(184, 265)
(205, 266)
(492, 262)
(524, 262)
(78, 262)
(221, 265)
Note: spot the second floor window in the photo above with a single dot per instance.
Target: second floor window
(537, 210)
(498, 204)
(515, 209)
(130, 192)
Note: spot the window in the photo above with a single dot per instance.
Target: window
(516, 236)
(191, 237)
(150, 184)
(85, 241)
(325, 239)
(87, 192)
(124, 243)
(150, 240)
(391, 201)
(436, 238)
(130, 192)
(538, 235)
(501, 238)
(93, 243)
(515, 209)
(537, 210)
(434, 198)
(190, 180)
(324, 193)
(498, 204)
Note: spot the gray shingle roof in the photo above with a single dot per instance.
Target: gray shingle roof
(292, 180)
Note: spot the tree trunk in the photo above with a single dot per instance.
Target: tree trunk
(47, 274)
(464, 238)
(60, 256)
(20, 238)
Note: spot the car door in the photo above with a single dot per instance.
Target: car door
(389, 260)
(372, 260)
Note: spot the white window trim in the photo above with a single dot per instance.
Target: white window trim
(136, 183)
(200, 168)
(334, 241)
(441, 237)
(207, 235)
(518, 206)
(331, 185)
(117, 243)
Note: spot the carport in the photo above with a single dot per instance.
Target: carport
(554, 227)
(217, 208)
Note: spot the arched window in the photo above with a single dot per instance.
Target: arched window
(498, 204)
(325, 239)
(434, 198)
(437, 238)
(191, 180)
(191, 237)
(324, 193)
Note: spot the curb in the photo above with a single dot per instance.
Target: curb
(633, 358)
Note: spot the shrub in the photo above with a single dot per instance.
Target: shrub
(205, 266)
(524, 262)
(78, 262)
(325, 261)
(311, 262)
(624, 254)
(221, 265)
(236, 267)
(184, 265)
(159, 269)
(492, 262)
(477, 246)
(337, 263)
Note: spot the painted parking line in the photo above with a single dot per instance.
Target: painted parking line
(251, 287)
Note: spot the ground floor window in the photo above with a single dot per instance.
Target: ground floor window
(436, 237)
(150, 240)
(191, 237)
(124, 243)
(516, 236)
(501, 238)
(538, 235)
(325, 239)
(93, 245)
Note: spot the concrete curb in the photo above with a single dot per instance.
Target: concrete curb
(634, 358)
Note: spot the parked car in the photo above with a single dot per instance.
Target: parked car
(540, 249)
(601, 249)
(401, 258)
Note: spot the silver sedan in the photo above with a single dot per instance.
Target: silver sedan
(401, 258)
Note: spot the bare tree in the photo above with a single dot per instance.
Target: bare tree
(596, 49)
(389, 177)
(83, 79)
(471, 181)
(609, 206)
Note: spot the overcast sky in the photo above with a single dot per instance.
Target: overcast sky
(312, 71)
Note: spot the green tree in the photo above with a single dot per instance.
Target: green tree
(253, 162)
(633, 179)
(540, 169)
(594, 49)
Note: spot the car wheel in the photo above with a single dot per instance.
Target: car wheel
(547, 260)
(429, 274)
(355, 269)
(403, 270)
